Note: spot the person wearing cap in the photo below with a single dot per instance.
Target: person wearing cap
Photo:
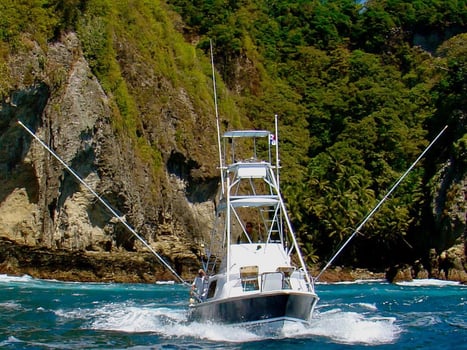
(198, 288)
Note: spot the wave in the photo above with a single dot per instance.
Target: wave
(11, 278)
(18, 343)
(422, 319)
(358, 281)
(10, 305)
(457, 322)
(165, 282)
(166, 322)
(428, 283)
(10, 340)
(367, 306)
(337, 325)
(352, 328)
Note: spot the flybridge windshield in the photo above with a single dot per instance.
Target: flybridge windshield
(247, 133)
(248, 145)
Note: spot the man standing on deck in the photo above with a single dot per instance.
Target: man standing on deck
(198, 288)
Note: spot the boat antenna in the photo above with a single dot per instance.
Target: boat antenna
(114, 213)
(276, 143)
(370, 214)
(217, 118)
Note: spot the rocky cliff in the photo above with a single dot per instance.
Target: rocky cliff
(158, 172)
(43, 207)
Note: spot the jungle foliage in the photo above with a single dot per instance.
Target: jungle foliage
(361, 87)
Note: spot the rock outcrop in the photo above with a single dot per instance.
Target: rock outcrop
(43, 207)
(450, 265)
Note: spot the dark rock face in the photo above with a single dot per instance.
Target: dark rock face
(51, 225)
(66, 265)
(449, 265)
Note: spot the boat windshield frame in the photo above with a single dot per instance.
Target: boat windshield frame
(229, 153)
(246, 133)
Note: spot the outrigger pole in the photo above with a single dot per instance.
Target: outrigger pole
(217, 118)
(114, 213)
(369, 215)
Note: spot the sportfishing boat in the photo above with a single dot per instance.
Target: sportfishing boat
(253, 271)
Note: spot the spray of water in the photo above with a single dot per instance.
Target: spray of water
(336, 325)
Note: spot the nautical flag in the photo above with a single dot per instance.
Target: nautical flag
(272, 139)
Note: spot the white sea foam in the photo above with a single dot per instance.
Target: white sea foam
(350, 328)
(9, 278)
(358, 281)
(10, 305)
(10, 340)
(367, 306)
(164, 321)
(211, 331)
(428, 283)
(337, 325)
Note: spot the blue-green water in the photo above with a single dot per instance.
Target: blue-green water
(38, 314)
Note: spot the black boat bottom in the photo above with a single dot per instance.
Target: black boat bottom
(258, 308)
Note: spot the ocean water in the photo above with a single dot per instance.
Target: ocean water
(43, 314)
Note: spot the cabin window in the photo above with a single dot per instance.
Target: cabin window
(272, 281)
(212, 289)
(249, 277)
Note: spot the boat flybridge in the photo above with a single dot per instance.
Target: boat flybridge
(253, 271)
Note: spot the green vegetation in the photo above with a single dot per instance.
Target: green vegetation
(116, 35)
(358, 100)
(360, 89)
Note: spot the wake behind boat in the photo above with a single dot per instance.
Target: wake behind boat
(253, 271)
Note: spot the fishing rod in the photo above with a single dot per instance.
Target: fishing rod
(114, 213)
(375, 209)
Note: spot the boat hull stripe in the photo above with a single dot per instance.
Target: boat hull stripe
(256, 308)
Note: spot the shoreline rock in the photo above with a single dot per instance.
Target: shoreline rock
(347, 274)
(81, 266)
(449, 265)
(143, 267)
